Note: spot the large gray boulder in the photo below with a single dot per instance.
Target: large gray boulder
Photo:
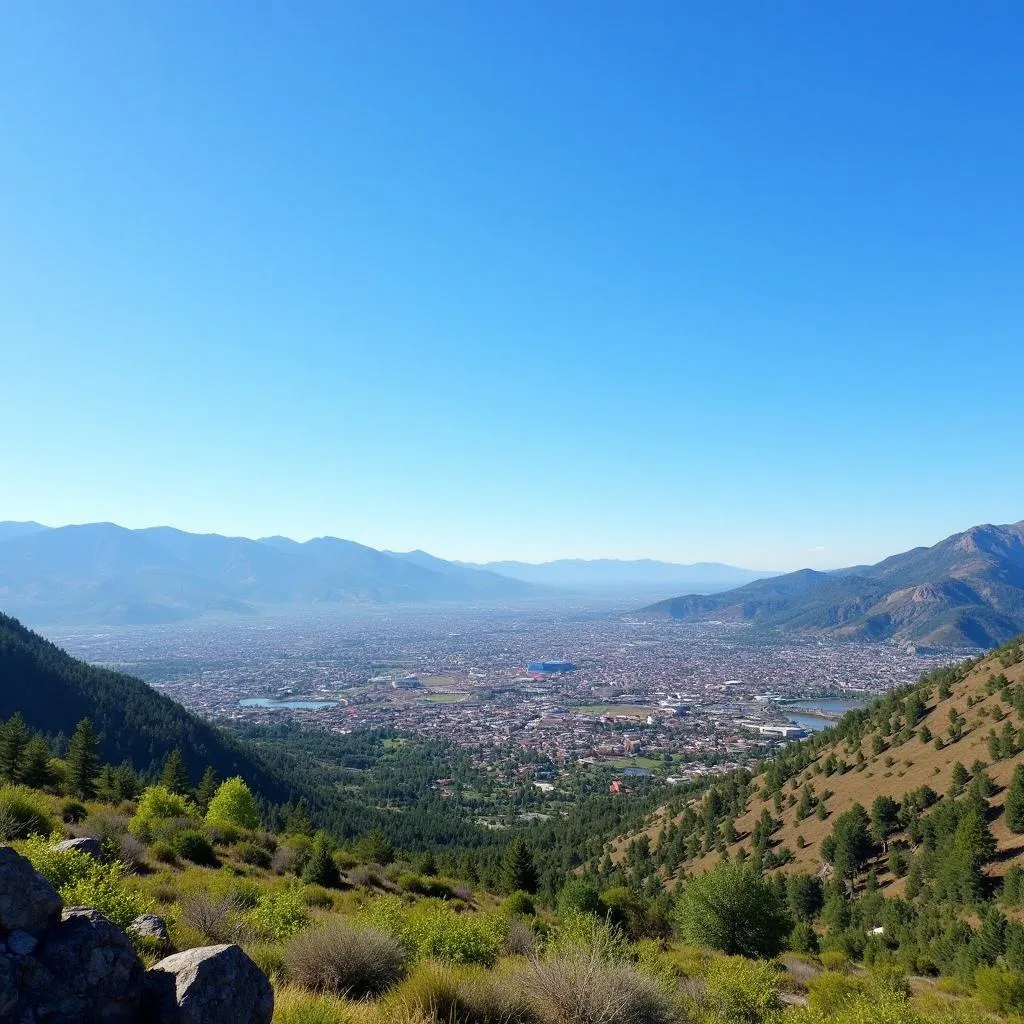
(85, 972)
(82, 844)
(28, 902)
(209, 985)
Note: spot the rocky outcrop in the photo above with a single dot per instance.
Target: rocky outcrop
(211, 985)
(76, 967)
(152, 928)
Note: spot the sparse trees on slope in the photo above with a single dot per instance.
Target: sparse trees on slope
(14, 739)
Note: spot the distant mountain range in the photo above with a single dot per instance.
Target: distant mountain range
(965, 591)
(105, 574)
(612, 573)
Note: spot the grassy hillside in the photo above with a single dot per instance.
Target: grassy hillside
(967, 590)
(352, 936)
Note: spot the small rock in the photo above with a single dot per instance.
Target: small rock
(83, 844)
(150, 926)
(209, 985)
(28, 902)
(21, 943)
(87, 972)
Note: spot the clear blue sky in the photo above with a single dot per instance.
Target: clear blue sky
(738, 281)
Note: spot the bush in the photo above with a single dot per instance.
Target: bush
(803, 939)
(831, 992)
(434, 992)
(216, 918)
(163, 853)
(156, 804)
(741, 990)
(342, 960)
(234, 804)
(83, 882)
(317, 896)
(73, 811)
(835, 960)
(254, 854)
(280, 913)
(1000, 991)
(518, 904)
(194, 845)
(583, 989)
(23, 812)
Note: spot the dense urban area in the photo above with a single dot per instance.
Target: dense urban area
(554, 686)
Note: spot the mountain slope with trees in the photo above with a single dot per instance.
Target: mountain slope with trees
(965, 591)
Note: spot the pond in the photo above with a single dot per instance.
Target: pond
(800, 712)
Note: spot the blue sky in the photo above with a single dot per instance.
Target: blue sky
(735, 281)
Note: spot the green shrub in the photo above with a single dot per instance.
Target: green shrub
(433, 929)
(163, 853)
(194, 845)
(23, 812)
(280, 913)
(158, 803)
(293, 1005)
(742, 991)
(342, 960)
(1000, 991)
(835, 960)
(831, 992)
(518, 904)
(254, 854)
(460, 995)
(803, 938)
(72, 812)
(84, 882)
(317, 896)
(234, 804)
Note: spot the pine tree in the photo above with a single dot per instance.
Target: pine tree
(519, 874)
(207, 788)
(175, 775)
(83, 760)
(14, 738)
(35, 765)
(1015, 802)
(320, 869)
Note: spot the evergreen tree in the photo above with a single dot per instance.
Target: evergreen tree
(83, 760)
(126, 783)
(1015, 802)
(175, 775)
(35, 764)
(518, 873)
(320, 869)
(14, 738)
(207, 788)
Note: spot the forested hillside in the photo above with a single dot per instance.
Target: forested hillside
(54, 691)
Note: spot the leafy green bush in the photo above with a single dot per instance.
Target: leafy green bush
(518, 904)
(194, 845)
(163, 853)
(460, 995)
(830, 992)
(254, 854)
(1000, 991)
(433, 929)
(23, 812)
(343, 960)
(84, 882)
(234, 804)
(158, 803)
(280, 913)
(317, 896)
(741, 991)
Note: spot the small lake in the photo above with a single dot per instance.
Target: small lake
(290, 705)
(812, 723)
